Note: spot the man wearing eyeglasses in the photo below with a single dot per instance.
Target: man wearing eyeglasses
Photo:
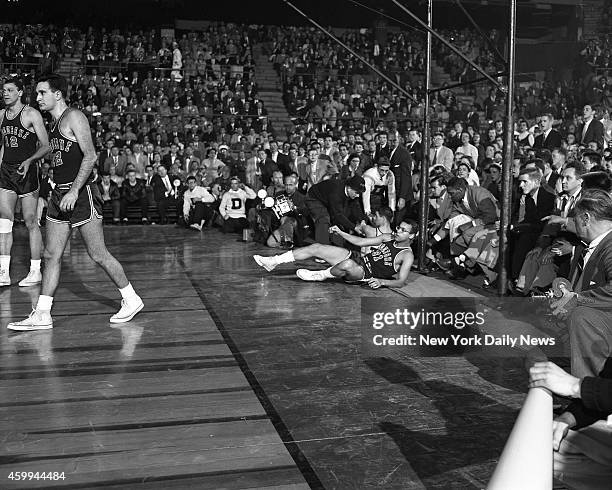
(386, 264)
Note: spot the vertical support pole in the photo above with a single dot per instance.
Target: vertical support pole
(424, 198)
(506, 204)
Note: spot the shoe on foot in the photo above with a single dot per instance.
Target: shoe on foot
(38, 320)
(128, 310)
(195, 226)
(5, 279)
(268, 263)
(33, 277)
(307, 275)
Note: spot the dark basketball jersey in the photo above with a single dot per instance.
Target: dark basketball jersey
(383, 259)
(19, 143)
(66, 154)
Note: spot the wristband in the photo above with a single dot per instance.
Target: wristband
(437, 237)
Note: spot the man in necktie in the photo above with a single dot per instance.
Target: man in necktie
(164, 192)
(580, 433)
(536, 204)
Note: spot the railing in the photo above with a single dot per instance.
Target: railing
(43, 65)
(211, 72)
(321, 74)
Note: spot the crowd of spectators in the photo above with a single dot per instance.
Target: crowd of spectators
(210, 125)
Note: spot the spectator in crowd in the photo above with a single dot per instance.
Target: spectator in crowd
(379, 187)
(109, 191)
(401, 167)
(233, 207)
(166, 193)
(591, 129)
(133, 194)
(548, 138)
(197, 205)
(535, 204)
(440, 155)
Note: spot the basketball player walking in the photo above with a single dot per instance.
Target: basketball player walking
(24, 142)
(75, 202)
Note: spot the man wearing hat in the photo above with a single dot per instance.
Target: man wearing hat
(334, 202)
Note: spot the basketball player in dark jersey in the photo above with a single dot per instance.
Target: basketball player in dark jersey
(24, 142)
(387, 264)
(75, 202)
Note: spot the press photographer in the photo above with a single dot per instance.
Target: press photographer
(281, 217)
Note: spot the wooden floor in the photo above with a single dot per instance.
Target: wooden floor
(231, 378)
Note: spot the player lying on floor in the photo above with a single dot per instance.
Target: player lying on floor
(386, 264)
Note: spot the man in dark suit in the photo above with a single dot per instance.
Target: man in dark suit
(334, 202)
(165, 193)
(588, 311)
(591, 129)
(535, 204)
(549, 138)
(383, 149)
(415, 148)
(401, 166)
(115, 160)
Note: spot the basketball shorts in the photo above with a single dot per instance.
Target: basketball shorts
(22, 185)
(356, 257)
(87, 207)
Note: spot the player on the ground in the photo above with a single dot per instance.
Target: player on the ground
(24, 141)
(75, 202)
(388, 262)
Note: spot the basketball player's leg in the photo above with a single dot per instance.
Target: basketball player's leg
(346, 269)
(93, 236)
(8, 201)
(58, 233)
(329, 253)
(29, 209)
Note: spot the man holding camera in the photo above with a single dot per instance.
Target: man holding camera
(288, 228)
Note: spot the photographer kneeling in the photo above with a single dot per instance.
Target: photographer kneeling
(284, 223)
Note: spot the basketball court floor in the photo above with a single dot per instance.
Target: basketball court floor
(234, 378)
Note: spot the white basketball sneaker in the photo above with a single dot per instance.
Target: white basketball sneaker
(34, 277)
(128, 310)
(268, 263)
(38, 320)
(5, 279)
(306, 275)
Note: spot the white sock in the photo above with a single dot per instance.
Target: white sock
(128, 292)
(285, 258)
(327, 273)
(44, 303)
(34, 265)
(5, 262)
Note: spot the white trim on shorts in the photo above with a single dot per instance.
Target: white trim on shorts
(93, 214)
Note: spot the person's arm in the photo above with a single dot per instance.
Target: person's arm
(391, 190)
(360, 241)
(34, 119)
(365, 195)
(223, 206)
(250, 193)
(401, 278)
(79, 127)
(186, 203)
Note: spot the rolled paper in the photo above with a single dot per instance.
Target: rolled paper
(526, 462)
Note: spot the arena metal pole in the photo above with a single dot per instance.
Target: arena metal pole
(504, 227)
(360, 58)
(424, 197)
